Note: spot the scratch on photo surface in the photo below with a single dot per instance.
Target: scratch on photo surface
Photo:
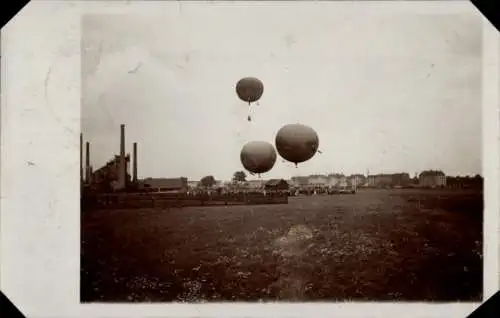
(133, 71)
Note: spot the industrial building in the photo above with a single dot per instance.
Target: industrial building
(114, 175)
(165, 185)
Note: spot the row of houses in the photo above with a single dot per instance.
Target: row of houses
(331, 180)
(313, 181)
(429, 178)
(426, 179)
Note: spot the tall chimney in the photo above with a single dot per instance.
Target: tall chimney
(91, 173)
(87, 162)
(123, 163)
(81, 157)
(135, 163)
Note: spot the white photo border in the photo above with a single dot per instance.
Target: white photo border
(39, 204)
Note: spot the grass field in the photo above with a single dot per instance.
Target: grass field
(403, 245)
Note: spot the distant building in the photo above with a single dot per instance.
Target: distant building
(256, 184)
(334, 179)
(317, 181)
(236, 185)
(299, 181)
(432, 179)
(193, 184)
(345, 183)
(380, 181)
(386, 180)
(357, 180)
(170, 185)
(277, 185)
(401, 179)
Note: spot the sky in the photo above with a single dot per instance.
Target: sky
(385, 93)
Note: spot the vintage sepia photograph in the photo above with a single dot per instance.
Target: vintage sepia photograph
(289, 151)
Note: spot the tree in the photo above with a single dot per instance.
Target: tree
(207, 181)
(239, 176)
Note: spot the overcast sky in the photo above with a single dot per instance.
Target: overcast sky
(384, 92)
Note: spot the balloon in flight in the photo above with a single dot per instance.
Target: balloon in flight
(249, 89)
(258, 156)
(296, 143)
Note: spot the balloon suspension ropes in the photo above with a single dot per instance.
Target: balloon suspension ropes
(249, 118)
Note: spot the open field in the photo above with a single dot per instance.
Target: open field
(376, 245)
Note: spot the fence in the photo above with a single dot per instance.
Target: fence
(166, 200)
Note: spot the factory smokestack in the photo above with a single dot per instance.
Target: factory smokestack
(91, 173)
(87, 162)
(135, 162)
(81, 157)
(123, 163)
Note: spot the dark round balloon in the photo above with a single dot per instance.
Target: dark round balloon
(258, 156)
(297, 143)
(249, 89)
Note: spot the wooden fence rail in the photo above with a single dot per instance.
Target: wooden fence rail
(166, 200)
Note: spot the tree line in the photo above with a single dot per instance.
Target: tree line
(209, 181)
